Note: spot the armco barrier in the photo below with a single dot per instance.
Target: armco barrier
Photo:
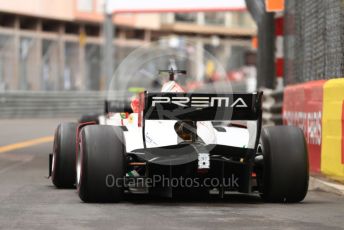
(302, 107)
(50, 104)
(332, 157)
(272, 107)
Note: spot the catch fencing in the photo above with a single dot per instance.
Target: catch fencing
(313, 40)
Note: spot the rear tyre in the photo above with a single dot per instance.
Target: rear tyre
(63, 165)
(99, 164)
(284, 175)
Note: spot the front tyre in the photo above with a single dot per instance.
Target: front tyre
(63, 163)
(284, 175)
(100, 164)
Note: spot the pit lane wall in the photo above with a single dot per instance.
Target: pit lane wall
(317, 107)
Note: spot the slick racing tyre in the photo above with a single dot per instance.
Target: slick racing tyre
(100, 162)
(63, 164)
(89, 118)
(284, 175)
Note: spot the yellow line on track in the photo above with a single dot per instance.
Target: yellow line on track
(25, 144)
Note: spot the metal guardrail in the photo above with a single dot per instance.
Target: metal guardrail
(19, 104)
(272, 107)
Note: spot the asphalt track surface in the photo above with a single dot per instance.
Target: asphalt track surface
(29, 201)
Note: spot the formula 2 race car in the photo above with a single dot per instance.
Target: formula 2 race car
(179, 143)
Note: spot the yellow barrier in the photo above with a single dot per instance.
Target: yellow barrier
(331, 150)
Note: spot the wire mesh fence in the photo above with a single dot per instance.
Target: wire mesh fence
(313, 42)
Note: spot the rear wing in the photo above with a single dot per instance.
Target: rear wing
(202, 107)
